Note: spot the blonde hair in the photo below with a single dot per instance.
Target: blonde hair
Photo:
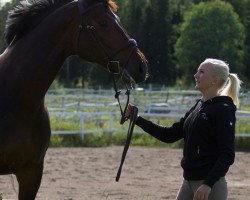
(230, 82)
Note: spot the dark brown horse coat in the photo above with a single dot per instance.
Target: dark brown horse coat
(40, 36)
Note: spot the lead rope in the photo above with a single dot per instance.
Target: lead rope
(133, 118)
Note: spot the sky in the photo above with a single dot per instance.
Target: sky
(2, 2)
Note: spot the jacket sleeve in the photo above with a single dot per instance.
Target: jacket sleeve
(225, 132)
(164, 134)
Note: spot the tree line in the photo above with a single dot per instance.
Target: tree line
(175, 35)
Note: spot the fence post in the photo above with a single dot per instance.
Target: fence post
(82, 125)
(111, 122)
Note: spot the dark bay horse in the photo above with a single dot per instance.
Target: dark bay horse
(40, 35)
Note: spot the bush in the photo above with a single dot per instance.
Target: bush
(69, 140)
(97, 140)
(242, 143)
(107, 139)
(55, 141)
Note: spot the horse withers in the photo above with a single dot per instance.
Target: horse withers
(40, 35)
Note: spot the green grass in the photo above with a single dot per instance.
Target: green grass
(103, 138)
(107, 139)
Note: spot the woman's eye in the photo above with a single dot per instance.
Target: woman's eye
(103, 23)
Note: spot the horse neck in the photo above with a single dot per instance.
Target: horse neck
(40, 54)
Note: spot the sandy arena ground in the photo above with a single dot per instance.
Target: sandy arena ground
(148, 174)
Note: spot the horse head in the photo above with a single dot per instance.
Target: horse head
(108, 44)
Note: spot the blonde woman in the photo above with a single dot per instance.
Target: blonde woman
(208, 129)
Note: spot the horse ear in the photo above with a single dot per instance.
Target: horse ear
(112, 4)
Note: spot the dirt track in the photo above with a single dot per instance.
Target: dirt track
(148, 174)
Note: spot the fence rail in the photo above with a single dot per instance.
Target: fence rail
(113, 118)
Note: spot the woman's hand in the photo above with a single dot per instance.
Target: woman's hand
(129, 110)
(202, 192)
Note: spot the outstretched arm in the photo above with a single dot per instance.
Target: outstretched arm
(164, 134)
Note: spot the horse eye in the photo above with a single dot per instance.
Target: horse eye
(103, 23)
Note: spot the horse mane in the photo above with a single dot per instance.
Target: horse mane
(29, 13)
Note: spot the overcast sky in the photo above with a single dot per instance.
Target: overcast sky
(2, 2)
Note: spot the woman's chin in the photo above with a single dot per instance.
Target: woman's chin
(197, 87)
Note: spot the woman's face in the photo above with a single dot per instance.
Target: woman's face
(204, 78)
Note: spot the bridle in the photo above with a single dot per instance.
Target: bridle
(113, 66)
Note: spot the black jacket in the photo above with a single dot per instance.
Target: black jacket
(208, 130)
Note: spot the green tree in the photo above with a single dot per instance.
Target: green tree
(239, 7)
(3, 16)
(149, 22)
(177, 8)
(131, 15)
(210, 29)
(247, 42)
(156, 33)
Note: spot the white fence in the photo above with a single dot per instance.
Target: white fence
(113, 118)
(99, 108)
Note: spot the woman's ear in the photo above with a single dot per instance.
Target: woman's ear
(214, 80)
